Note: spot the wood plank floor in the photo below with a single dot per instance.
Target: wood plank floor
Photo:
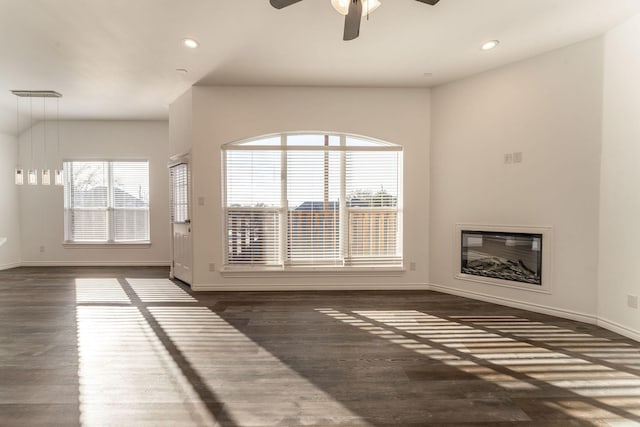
(128, 347)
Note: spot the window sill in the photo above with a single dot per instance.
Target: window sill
(108, 245)
(311, 271)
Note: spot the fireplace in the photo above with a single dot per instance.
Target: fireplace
(504, 255)
(515, 257)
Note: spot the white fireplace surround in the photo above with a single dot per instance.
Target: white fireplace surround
(547, 251)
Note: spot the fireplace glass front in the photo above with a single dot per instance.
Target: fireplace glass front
(515, 257)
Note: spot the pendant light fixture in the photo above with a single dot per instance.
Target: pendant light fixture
(45, 173)
(19, 173)
(32, 172)
(58, 173)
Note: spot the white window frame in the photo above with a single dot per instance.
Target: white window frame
(344, 210)
(110, 242)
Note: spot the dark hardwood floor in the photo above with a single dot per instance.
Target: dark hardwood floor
(128, 347)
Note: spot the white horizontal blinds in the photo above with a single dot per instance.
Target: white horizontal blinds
(253, 204)
(313, 199)
(313, 214)
(372, 191)
(106, 201)
(179, 193)
(130, 201)
(87, 201)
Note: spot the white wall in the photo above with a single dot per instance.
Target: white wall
(42, 207)
(225, 114)
(619, 275)
(181, 125)
(9, 200)
(548, 108)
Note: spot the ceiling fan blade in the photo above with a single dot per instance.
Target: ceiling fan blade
(279, 4)
(431, 2)
(352, 20)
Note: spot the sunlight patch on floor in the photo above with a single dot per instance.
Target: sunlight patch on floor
(107, 290)
(126, 375)
(159, 290)
(255, 386)
(491, 347)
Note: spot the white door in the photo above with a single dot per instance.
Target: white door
(181, 253)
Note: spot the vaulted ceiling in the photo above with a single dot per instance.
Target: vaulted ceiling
(117, 59)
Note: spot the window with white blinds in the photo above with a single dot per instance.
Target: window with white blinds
(253, 202)
(313, 208)
(106, 201)
(372, 188)
(179, 192)
(315, 200)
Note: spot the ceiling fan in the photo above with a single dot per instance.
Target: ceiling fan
(352, 18)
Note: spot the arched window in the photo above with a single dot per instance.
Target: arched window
(312, 199)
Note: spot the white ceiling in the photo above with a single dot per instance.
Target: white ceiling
(117, 59)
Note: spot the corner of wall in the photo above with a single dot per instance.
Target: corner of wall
(181, 124)
(10, 219)
(546, 109)
(618, 277)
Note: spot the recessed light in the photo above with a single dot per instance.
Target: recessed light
(427, 74)
(490, 44)
(182, 71)
(190, 43)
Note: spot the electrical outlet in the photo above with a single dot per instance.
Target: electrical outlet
(412, 266)
(632, 301)
(200, 201)
(212, 266)
(517, 157)
(41, 248)
(508, 158)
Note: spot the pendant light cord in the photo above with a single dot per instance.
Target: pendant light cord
(18, 128)
(58, 131)
(31, 128)
(44, 138)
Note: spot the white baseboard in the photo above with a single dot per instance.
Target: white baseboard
(536, 308)
(619, 329)
(311, 287)
(10, 265)
(94, 264)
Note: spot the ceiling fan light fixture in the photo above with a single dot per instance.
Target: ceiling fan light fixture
(491, 44)
(368, 6)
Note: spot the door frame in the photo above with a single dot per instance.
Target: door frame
(176, 160)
